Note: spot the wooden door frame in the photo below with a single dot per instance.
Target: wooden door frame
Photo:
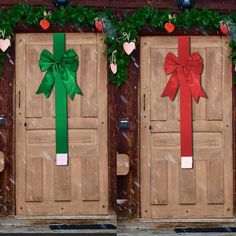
(117, 142)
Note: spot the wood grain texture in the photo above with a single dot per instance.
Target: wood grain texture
(34, 180)
(159, 185)
(215, 182)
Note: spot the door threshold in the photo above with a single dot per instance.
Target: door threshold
(194, 220)
(46, 221)
(148, 224)
(82, 217)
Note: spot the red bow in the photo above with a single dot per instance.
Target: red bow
(188, 73)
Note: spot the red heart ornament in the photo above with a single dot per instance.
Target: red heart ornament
(5, 44)
(129, 47)
(113, 67)
(45, 24)
(223, 28)
(99, 25)
(169, 27)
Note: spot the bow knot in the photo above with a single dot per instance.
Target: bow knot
(187, 73)
(64, 69)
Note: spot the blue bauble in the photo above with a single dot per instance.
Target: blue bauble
(185, 4)
(60, 2)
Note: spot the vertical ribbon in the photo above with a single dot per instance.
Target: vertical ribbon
(186, 72)
(60, 105)
(60, 68)
(186, 129)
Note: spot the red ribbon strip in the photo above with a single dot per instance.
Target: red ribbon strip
(186, 72)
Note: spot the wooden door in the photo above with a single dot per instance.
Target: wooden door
(42, 188)
(167, 191)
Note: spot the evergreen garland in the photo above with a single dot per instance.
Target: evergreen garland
(131, 23)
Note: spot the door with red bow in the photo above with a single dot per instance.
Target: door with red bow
(206, 190)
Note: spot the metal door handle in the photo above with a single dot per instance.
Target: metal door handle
(144, 101)
(19, 99)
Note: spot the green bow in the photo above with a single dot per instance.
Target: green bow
(64, 69)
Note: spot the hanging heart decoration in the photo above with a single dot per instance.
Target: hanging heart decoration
(113, 64)
(223, 28)
(113, 67)
(45, 24)
(129, 47)
(5, 44)
(98, 25)
(170, 27)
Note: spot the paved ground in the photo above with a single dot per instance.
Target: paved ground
(121, 232)
(135, 232)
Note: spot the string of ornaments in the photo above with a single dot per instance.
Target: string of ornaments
(121, 34)
(104, 25)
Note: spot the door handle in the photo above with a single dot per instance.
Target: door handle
(144, 101)
(19, 101)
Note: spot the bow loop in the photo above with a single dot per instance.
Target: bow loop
(64, 69)
(46, 60)
(188, 73)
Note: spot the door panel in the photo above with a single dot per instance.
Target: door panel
(167, 191)
(42, 188)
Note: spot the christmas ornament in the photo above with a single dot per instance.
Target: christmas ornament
(113, 67)
(231, 30)
(60, 2)
(113, 64)
(5, 44)
(45, 24)
(170, 27)
(186, 72)
(235, 68)
(63, 76)
(223, 28)
(99, 25)
(108, 28)
(185, 4)
(128, 46)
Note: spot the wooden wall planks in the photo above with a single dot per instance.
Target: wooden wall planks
(7, 179)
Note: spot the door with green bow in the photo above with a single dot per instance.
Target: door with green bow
(42, 188)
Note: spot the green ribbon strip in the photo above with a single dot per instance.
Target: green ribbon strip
(60, 70)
